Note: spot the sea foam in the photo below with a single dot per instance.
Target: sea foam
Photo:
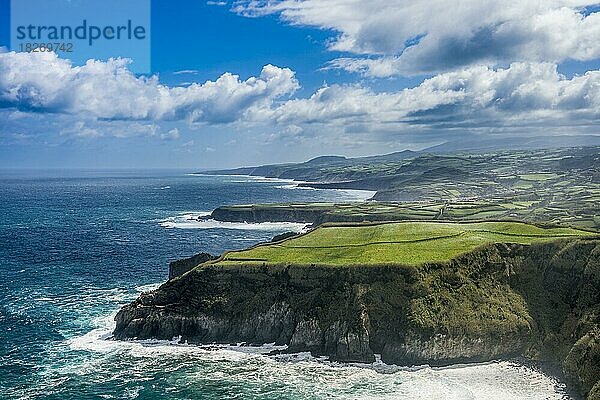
(316, 377)
(192, 221)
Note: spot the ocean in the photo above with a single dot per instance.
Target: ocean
(77, 245)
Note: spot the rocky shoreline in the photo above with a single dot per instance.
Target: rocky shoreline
(540, 301)
(307, 214)
(254, 215)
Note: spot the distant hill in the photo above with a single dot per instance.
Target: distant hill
(475, 144)
(320, 169)
(562, 183)
(326, 160)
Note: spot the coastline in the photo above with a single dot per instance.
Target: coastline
(361, 194)
(154, 348)
(100, 341)
(504, 372)
(353, 323)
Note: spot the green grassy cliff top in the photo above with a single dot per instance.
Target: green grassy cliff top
(406, 243)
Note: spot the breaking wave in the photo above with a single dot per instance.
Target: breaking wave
(192, 221)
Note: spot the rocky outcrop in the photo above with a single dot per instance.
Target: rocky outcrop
(583, 363)
(180, 267)
(266, 214)
(284, 236)
(540, 301)
(299, 213)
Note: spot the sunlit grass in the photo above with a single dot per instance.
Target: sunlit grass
(407, 243)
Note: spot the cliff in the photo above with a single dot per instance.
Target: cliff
(180, 267)
(540, 301)
(268, 214)
(558, 185)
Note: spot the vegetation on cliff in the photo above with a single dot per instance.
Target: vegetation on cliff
(557, 186)
(459, 279)
(525, 210)
(405, 243)
(499, 300)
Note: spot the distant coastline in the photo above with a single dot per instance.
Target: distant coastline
(460, 258)
(367, 194)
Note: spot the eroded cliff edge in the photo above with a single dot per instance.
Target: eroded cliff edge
(540, 301)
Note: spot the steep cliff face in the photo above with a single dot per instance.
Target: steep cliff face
(502, 300)
(302, 214)
(287, 214)
(180, 267)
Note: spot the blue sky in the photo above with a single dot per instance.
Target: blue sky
(342, 77)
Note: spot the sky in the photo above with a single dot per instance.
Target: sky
(234, 83)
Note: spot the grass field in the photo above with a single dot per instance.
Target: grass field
(407, 243)
(555, 186)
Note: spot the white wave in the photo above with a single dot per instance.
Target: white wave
(321, 378)
(100, 340)
(355, 195)
(302, 374)
(295, 186)
(165, 187)
(263, 178)
(245, 178)
(344, 194)
(190, 221)
(292, 184)
(147, 288)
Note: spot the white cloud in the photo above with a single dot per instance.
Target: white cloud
(105, 99)
(521, 95)
(12, 138)
(108, 90)
(430, 36)
(81, 130)
(73, 126)
(381, 67)
(186, 72)
(171, 134)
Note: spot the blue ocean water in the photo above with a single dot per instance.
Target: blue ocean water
(75, 246)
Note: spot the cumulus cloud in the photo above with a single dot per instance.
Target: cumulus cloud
(431, 36)
(105, 99)
(108, 90)
(521, 95)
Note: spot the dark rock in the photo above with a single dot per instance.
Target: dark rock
(180, 267)
(582, 363)
(283, 236)
(499, 301)
(265, 214)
